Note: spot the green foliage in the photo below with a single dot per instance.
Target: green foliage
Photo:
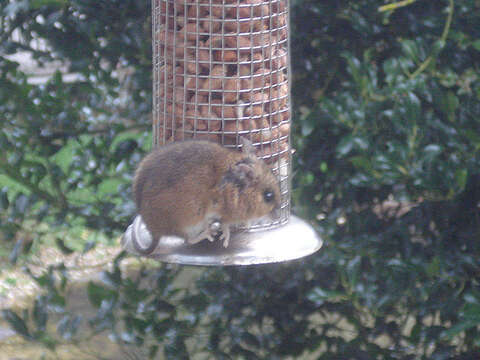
(67, 144)
(387, 161)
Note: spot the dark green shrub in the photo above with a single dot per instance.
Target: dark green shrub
(67, 142)
(387, 139)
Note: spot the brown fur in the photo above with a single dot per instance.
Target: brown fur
(178, 184)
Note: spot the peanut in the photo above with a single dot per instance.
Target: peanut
(226, 56)
(231, 90)
(229, 112)
(230, 127)
(284, 129)
(207, 136)
(210, 121)
(217, 11)
(192, 30)
(196, 11)
(211, 24)
(285, 114)
(279, 59)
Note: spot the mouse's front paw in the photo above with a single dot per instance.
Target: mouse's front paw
(225, 236)
(219, 232)
(215, 230)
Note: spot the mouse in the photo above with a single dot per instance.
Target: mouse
(198, 190)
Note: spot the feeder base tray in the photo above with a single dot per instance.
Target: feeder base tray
(293, 240)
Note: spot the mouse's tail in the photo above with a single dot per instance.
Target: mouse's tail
(138, 185)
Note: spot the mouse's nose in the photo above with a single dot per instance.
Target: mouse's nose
(275, 213)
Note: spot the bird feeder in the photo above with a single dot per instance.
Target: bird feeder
(221, 72)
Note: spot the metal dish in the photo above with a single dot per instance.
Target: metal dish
(293, 240)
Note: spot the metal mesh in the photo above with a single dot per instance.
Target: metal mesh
(221, 72)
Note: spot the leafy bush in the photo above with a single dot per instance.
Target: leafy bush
(70, 146)
(387, 141)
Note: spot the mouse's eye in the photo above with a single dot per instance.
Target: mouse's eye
(268, 196)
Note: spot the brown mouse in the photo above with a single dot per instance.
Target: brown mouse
(193, 189)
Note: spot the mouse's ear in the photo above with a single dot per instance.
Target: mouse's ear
(247, 147)
(241, 174)
(244, 169)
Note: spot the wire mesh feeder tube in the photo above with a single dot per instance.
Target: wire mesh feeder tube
(221, 72)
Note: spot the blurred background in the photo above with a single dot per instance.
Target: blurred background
(386, 100)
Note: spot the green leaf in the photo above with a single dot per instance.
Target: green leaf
(16, 323)
(152, 352)
(472, 298)
(164, 306)
(4, 203)
(433, 268)
(97, 293)
(345, 146)
(349, 143)
(461, 177)
(89, 246)
(410, 49)
(354, 67)
(111, 279)
(250, 339)
(476, 44)
(438, 47)
(68, 326)
(319, 295)
(392, 70)
(16, 251)
(21, 203)
(459, 328)
(362, 162)
(13, 8)
(35, 4)
(449, 79)
(473, 137)
(472, 311)
(413, 107)
(125, 148)
(63, 248)
(40, 314)
(307, 126)
(431, 151)
(449, 104)
(323, 167)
